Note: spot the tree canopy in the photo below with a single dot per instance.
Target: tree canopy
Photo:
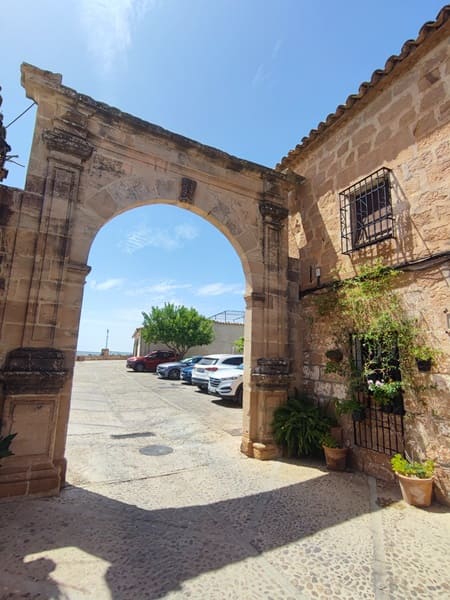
(239, 345)
(178, 327)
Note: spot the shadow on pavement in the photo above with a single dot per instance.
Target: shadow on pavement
(150, 553)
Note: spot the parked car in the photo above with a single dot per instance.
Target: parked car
(186, 374)
(172, 370)
(212, 363)
(227, 383)
(149, 362)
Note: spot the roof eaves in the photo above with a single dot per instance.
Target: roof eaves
(379, 74)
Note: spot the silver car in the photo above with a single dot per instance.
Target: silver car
(208, 365)
(173, 370)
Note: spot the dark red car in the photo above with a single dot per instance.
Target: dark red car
(149, 362)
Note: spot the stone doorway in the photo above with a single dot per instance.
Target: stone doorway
(90, 162)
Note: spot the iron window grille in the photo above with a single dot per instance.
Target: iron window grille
(366, 211)
(382, 428)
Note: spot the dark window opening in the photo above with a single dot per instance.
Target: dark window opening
(366, 212)
(382, 428)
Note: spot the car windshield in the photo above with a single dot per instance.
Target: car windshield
(208, 361)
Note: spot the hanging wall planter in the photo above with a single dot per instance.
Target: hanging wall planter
(424, 366)
(334, 355)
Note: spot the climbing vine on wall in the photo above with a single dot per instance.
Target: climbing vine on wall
(369, 308)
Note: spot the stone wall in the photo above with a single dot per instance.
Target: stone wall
(403, 124)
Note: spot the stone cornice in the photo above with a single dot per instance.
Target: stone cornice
(35, 80)
(65, 142)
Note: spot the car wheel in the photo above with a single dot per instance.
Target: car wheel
(174, 374)
(139, 367)
(238, 396)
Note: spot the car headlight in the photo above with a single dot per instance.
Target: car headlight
(232, 378)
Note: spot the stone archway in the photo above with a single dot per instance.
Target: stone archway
(90, 162)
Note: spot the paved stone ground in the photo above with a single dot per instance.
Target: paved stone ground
(202, 521)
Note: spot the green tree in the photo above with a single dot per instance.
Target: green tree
(178, 327)
(239, 345)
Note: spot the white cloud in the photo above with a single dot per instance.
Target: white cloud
(108, 26)
(158, 289)
(108, 284)
(264, 71)
(164, 239)
(260, 76)
(186, 232)
(218, 289)
(276, 48)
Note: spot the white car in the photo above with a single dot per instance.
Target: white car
(227, 383)
(208, 365)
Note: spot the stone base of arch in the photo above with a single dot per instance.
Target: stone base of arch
(269, 389)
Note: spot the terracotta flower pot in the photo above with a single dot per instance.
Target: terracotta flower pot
(415, 491)
(336, 458)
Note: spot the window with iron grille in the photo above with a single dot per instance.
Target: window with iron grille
(366, 211)
(380, 428)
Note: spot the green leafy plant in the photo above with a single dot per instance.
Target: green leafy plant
(344, 407)
(385, 392)
(368, 308)
(5, 442)
(239, 345)
(422, 470)
(300, 425)
(424, 353)
(179, 327)
(332, 366)
(329, 441)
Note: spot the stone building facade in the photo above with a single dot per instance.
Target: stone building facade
(399, 122)
(90, 162)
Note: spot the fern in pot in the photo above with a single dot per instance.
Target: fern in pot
(300, 425)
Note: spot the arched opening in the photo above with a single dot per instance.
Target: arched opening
(149, 256)
(90, 163)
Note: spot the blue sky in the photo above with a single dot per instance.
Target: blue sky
(251, 77)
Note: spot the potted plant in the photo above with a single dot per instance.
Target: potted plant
(415, 479)
(424, 356)
(335, 454)
(352, 407)
(385, 393)
(334, 355)
(5, 442)
(300, 425)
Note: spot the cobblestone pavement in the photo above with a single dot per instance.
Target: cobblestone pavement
(161, 504)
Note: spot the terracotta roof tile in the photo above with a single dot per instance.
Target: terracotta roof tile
(408, 47)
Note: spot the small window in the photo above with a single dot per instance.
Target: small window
(366, 212)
